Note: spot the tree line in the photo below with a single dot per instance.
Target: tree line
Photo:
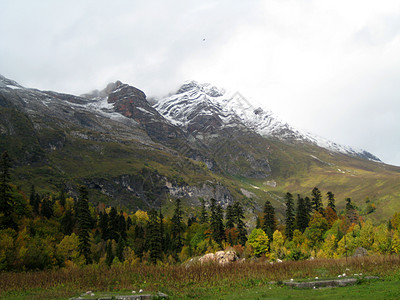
(52, 231)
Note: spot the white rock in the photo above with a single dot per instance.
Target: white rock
(140, 291)
(133, 292)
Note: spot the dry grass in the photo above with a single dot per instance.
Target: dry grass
(180, 280)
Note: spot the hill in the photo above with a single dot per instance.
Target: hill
(198, 142)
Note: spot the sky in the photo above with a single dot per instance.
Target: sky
(330, 67)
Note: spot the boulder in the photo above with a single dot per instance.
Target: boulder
(221, 257)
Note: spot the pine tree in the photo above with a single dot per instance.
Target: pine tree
(139, 240)
(177, 228)
(269, 220)
(162, 232)
(103, 224)
(62, 198)
(47, 208)
(238, 213)
(258, 222)
(349, 205)
(122, 226)
(230, 217)
(32, 196)
(302, 214)
(308, 205)
(317, 200)
(36, 207)
(289, 216)
(153, 237)
(84, 224)
(109, 253)
(113, 224)
(67, 223)
(331, 201)
(203, 213)
(6, 200)
(129, 222)
(217, 225)
(120, 249)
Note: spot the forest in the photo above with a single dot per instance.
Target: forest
(51, 231)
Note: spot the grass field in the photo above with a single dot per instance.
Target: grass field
(249, 280)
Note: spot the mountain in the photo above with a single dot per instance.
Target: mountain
(193, 102)
(199, 142)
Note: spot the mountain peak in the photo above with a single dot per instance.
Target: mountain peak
(5, 82)
(195, 102)
(206, 88)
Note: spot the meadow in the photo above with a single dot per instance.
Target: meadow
(252, 279)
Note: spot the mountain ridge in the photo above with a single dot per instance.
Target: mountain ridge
(263, 122)
(129, 152)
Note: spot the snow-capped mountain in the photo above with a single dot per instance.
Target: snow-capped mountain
(195, 101)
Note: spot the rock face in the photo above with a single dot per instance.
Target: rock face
(199, 111)
(220, 257)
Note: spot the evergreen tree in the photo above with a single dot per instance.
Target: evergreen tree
(162, 232)
(331, 201)
(289, 216)
(317, 200)
(120, 249)
(269, 220)
(192, 219)
(258, 222)
(129, 222)
(238, 213)
(302, 214)
(122, 226)
(84, 223)
(67, 223)
(6, 200)
(308, 205)
(36, 207)
(203, 213)
(113, 224)
(153, 237)
(103, 224)
(109, 253)
(230, 217)
(349, 205)
(47, 208)
(177, 228)
(217, 225)
(32, 197)
(62, 198)
(139, 240)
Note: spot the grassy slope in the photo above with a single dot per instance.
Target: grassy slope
(299, 170)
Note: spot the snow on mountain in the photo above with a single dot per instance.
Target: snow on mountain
(194, 100)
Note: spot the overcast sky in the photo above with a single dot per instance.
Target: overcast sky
(328, 67)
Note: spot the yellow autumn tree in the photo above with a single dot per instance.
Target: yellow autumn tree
(396, 243)
(382, 239)
(277, 247)
(328, 247)
(367, 235)
(258, 240)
